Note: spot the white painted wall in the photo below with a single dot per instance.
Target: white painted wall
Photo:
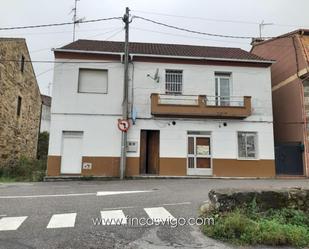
(200, 80)
(96, 114)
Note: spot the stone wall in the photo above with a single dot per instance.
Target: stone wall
(18, 133)
(228, 199)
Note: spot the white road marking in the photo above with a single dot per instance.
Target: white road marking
(11, 223)
(113, 216)
(104, 193)
(119, 208)
(43, 196)
(159, 214)
(62, 220)
(176, 204)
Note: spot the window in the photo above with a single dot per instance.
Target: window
(22, 63)
(223, 88)
(92, 81)
(18, 106)
(247, 145)
(173, 81)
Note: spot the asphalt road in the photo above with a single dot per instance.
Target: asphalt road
(27, 209)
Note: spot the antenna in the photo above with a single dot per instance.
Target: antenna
(156, 76)
(261, 26)
(75, 21)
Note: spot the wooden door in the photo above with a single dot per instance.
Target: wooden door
(149, 152)
(143, 152)
(153, 152)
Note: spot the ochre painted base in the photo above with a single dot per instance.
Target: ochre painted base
(101, 166)
(173, 166)
(109, 166)
(243, 168)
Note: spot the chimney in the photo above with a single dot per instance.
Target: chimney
(256, 41)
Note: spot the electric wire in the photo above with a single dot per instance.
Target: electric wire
(60, 24)
(194, 31)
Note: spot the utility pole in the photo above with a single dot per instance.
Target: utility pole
(74, 18)
(123, 159)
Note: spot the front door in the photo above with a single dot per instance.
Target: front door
(149, 152)
(71, 159)
(199, 155)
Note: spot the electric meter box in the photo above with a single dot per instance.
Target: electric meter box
(132, 146)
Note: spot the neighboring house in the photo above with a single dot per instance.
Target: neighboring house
(20, 102)
(290, 90)
(195, 111)
(45, 115)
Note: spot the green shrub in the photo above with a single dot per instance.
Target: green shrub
(274, 227)
(24, 170)
(43, 145)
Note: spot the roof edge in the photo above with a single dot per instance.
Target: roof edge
(164, 56)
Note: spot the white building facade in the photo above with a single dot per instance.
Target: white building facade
(193, 111)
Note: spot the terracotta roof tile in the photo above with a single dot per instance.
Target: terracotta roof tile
(164, 49)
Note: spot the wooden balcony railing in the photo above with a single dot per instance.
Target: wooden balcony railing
(200, 106)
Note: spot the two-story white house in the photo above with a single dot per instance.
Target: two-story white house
(194, 110)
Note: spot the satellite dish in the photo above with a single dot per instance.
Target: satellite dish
(156, 76)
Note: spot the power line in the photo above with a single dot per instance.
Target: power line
(211, 19)
(60, 24)
(204, 39)
(62, 44)
(194, 31)
(196, 18)
(52, 68)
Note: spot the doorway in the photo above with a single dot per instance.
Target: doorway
(289, 159)
(71, 158)
(149, 152)
(199, 160)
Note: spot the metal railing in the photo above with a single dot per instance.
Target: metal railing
(237, 101)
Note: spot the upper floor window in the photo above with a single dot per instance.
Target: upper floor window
(22, 63)
(173, 81)
(223, 88)
(92, 80)
(247, 145)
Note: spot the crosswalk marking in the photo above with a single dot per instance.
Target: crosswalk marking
(108, 217)
(62, 220)
(159, 214)
(113, 217)
(11, 223)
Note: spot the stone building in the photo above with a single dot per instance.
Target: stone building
(20, 102)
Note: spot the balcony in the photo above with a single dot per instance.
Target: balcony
(200, 106)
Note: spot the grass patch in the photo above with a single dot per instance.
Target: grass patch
(248, 226)
(6, 179)
(23, 170)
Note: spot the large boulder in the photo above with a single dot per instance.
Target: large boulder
(228, 199)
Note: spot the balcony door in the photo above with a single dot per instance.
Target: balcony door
(199, 160)
(223, 89)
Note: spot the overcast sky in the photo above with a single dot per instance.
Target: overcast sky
(228, 17)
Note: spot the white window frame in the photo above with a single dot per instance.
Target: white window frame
(218, 76)
(255, 145)
(175, 84)
(199, 171)
(94, 69)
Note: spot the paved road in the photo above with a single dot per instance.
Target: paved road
(60, 214)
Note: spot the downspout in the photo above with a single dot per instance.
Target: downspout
(40, 120)
(303, 109)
